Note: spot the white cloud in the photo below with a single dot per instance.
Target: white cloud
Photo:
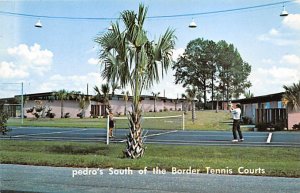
(292, 21)
(9, 70)
(268, 61)
(28, 60)
(177, 53)
(271, 80)
(73, 82)
(274, 32)
(93, 61)
(271, 34)
(290, 59)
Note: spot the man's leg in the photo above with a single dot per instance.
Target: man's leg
(234, 128)
(239, 130)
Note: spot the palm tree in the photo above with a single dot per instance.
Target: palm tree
(114, 87)
(125, 97)
(84, 101)
(130, 58)
(248, 94)
(61, 95)
(291, 97)
(155, 95)
(191, 93)
(103, 94)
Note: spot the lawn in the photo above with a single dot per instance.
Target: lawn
(205, 120)
(270, 161)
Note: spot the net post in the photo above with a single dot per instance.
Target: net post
(22, 103)
(182, 121)
(107, 131)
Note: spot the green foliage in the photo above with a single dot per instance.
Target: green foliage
(292, 96)
(65, 154)
(246, 120)
(214, 67)
(296, 126)
(3, 119)
(279, 126)
(76, 149)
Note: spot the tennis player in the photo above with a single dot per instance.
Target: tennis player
(236, 115)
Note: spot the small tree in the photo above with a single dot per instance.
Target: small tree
(125, 97)
(61, 95)
(291, 97)
(84, 101)
(191, 93)
(103, 95)
(155, 95)
(248, 94)
(3, 120)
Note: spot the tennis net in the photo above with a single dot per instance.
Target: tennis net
(150, 126)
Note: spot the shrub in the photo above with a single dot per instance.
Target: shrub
(30, 110)
(247, 120)
(36, 115)
(278, 126)
(80, 115)
(67, 115)
(171, 109)
(52, 115)
(165, 109)
(3, 121)
(49, 114)
(262, 126)
(296, 126)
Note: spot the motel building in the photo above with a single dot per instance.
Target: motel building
(264, 109)
(93, 107)
(269, 109)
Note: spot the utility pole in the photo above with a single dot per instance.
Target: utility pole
(22, 103)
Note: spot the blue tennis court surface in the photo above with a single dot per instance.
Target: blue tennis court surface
(176, 137)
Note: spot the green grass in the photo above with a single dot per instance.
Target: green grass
(283, 162)
(205, 120)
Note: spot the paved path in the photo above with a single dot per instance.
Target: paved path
(176, 137)
(18, 178)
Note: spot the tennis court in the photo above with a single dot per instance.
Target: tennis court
(173, 137)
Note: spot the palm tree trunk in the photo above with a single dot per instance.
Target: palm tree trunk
(61, 109)
(193, 112)
(135, 144)
(125, 108)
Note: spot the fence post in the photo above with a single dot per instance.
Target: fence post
(182, 121)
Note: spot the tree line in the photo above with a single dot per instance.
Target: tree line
(214, 68)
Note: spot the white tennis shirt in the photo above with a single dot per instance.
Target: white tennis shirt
(236, 114)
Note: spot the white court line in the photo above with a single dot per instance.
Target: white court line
(269, 138)
(207, 141)
(157, 134)
(225, 135)
(48, 133)
(216, 144)
(67, 138)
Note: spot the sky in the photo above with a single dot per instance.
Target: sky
(63, 55)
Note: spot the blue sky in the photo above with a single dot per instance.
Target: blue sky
(62, 54)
